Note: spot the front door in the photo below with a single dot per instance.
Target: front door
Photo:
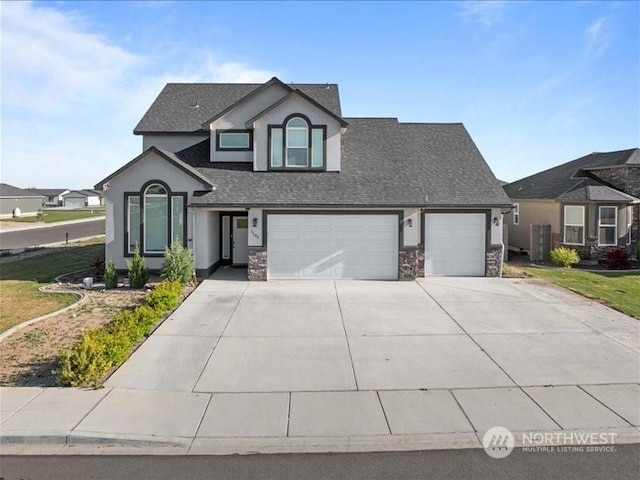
(240, 250)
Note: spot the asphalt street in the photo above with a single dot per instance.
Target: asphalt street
(623, 463)
(43, 236)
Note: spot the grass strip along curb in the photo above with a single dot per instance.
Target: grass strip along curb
(102, 349)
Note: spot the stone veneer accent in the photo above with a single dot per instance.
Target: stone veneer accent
(590, 250)
(411, 263)
(493, 261)
(257, 268)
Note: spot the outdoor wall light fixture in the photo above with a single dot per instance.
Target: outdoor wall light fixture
(254, 222)
(496, 221)
(410, 223)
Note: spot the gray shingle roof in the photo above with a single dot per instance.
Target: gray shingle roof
(49, 191)
(7, 190)
(554, 182)
(384, 163)
(175, 111)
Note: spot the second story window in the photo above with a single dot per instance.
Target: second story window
(296, 145)
(234, 140)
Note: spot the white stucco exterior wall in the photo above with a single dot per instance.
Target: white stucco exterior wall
(411, 234)
(171, 143)
(237, 118)
(276, 116)
(206, 237)
(151, 167)
(496, 230)
(255, 232)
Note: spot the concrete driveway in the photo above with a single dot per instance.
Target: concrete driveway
(360, 365)
(233, 336)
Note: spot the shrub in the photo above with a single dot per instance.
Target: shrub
(102, 349)
(98, 267)
(110, 276)
(564, 257)
(91, 358)
(179, 263)
(638, 251)
(617, 258)
(40, 215)
(164, 297)
(138, 272)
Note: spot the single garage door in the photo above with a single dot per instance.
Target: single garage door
(332, 246)
(74, 202)
(455, 244)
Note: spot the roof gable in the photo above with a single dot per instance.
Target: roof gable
(169, 157)
(554, 182)
(186, 107)
(296, 93)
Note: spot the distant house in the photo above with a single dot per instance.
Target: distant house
(82, 198)
(52, 196)
(15, 201)
(589, 204)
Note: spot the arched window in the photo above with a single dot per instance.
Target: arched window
(297, 137)
(155, 217)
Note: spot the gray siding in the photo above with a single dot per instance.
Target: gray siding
(27, 205)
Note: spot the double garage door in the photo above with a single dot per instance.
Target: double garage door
(366, 246)
(332, 246)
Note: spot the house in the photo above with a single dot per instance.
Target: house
(15, 201)
(272, 176)
(82, 198)
(52, 196)
(589, 204)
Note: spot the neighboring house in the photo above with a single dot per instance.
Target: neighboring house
(14, 200)
(590, 204)
(52, 196)
(82, 198)
(274, 177)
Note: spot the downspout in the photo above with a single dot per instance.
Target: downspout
(192, 240)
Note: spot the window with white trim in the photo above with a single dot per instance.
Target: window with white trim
(516, 214)
(296, 145)
(155, 218)
(574, 224)
(607, 226)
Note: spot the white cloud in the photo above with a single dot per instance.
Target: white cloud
(599, 37)
(486, 12)
(71, 97)
(50, 65)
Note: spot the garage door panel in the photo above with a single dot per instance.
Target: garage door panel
(332, 246)
(455, 244)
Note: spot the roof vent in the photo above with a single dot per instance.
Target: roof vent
(195, 105)
(327, 87)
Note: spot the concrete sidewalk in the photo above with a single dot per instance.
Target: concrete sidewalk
(329, 366)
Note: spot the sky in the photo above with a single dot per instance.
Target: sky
(535, 83)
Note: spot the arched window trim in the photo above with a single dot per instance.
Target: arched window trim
(141, 196)
(311, 128)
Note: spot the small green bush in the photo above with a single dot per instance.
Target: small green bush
(110, 275)
(179, 263)
(138, 272)
(564, 257)
(164, 297)
(102, 349)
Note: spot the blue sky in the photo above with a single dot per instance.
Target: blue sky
(535, 83)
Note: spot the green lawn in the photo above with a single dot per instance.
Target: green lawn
(52, 216)
(619, 290)
(20, 280)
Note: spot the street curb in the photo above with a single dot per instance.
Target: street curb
(28, 323)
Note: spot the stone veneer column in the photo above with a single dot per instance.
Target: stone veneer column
(493, 261)
(410, 263)
(257, 269)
